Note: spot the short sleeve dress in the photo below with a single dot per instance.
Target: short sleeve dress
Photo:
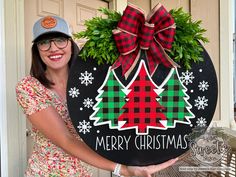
(47, 159)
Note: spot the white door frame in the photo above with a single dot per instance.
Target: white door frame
(12, 68)
(226, 66)
(3, 123)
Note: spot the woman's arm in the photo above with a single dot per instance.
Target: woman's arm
(49, 123)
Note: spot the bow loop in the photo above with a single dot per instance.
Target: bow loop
(164, 38)
(164, 26)
(125, 42)
(155, 35)
(131, 20)
(146, 36)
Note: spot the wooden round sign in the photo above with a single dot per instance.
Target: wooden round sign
(143, 119)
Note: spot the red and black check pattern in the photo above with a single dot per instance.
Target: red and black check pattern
(154, 36)
(132, 20)
(142, 110)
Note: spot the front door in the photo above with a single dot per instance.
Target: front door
(75, 12)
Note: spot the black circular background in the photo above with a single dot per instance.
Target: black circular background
(202, 71)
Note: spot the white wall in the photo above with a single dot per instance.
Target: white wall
(12, 127)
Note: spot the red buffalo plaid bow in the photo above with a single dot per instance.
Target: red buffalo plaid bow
(155, 35)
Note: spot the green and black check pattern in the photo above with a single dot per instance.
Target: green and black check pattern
(172, 98)
(113, 99)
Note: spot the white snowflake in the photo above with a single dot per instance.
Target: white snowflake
(187, 77)
(84, 127)
(201, 102)
(203, 85)
(86, 78)
(201, 122)
(88, 103)
(74, 92)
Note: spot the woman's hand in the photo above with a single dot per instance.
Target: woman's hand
(147, 171)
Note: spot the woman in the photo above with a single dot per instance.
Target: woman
(58, 151)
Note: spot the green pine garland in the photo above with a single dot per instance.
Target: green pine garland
(101, 45)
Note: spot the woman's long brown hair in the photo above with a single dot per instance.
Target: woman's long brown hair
(38, 67)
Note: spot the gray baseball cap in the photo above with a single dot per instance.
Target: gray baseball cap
(50, 24)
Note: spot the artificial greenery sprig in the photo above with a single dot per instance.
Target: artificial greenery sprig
(186, 47)
(101, 46)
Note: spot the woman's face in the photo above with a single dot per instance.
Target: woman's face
(55, 52)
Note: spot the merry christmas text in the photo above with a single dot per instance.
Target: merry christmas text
(142, 142)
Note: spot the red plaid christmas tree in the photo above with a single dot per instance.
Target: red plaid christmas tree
(142, 109)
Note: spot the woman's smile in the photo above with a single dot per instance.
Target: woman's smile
(55, 57)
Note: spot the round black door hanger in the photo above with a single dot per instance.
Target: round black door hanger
(143, 119)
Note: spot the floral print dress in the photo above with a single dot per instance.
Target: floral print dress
(47, 159)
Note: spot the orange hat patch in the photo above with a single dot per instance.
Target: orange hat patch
(49, 22)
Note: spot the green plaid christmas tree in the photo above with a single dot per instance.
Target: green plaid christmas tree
(175, 99)
(110, 100)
